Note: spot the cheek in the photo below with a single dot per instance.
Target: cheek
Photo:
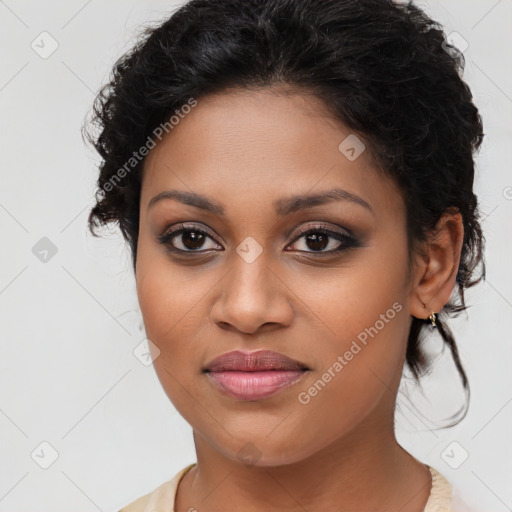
(364, 325)
(170, 318)
(167, 319)
(357, 379)
(172, 302)
(166, 295)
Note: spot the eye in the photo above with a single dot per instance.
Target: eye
(322, 240)
(188, 238)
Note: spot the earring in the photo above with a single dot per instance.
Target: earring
(432, 318)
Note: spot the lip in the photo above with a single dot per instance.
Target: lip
(253, 375)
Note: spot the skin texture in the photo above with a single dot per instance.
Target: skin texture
(246, 150)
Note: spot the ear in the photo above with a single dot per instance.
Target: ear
(436, 266)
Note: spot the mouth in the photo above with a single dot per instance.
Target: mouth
(255, 375)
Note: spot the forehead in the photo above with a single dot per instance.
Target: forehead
(261, 145)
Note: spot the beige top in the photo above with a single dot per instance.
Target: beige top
(162, 498)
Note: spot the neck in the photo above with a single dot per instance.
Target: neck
(364, 470)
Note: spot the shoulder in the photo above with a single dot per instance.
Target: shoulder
(443, 498)
(440, 493)
(160, 499)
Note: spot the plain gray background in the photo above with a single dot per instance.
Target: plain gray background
(69, 324)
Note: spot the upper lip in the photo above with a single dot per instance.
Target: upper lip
(261, 360)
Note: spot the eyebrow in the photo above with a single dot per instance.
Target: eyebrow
(282, 207)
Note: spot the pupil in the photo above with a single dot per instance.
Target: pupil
(192, 239)
(316, 241)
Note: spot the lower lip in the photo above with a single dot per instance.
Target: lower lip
(254, 385)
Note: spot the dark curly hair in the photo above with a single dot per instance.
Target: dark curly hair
(384, 69)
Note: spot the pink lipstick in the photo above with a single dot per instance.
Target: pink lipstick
(254, 375)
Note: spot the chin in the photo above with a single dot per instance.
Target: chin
(260, 452)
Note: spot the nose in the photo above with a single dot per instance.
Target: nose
(253, 299)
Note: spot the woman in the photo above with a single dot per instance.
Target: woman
(295, 181)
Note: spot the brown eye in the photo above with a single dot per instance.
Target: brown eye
(192, 239)
(188, 239)
(323, 241)
(317, 241)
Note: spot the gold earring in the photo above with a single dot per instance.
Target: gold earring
(433, 319)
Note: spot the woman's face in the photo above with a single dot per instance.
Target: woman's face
(245, 277)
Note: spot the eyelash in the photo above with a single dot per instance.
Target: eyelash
(349, 242)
